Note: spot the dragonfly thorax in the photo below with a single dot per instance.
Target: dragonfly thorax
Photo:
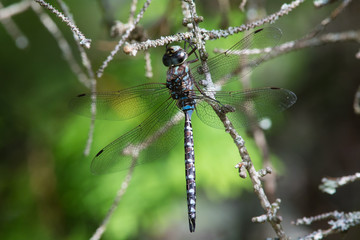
(174, 56)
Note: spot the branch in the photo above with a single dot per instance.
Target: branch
(148, 67)
(90, 83)
(14, 9)
(339, 222)
(101, 229)
(357, 100)
(270, 209)
(83, 40)
(329, 185)
(329, 19)
(257, 131)
(322, 3)
(123, 38)
(10, 26)
(132, 49)
(62, 43)
(300, 44)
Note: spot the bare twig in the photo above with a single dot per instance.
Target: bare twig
(320, 217)
(213, 34)
(329, 185)
(91, 78)
(107, 12)
(329, 19)
(123, 39)
(62, 43)
(339, 222)
(132, 10)
(101, 229)
(148, 67)
(242, 5)
(14, 9)
(322, 3)
(270, 215)
(83, 40)
(13, 30)
(300, 44)
(261, 143)
(259, 137)
(357, 101)
(257, 131)
(270, 209)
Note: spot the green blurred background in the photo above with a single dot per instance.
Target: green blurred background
(48, 192)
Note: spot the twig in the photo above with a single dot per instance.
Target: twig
(310, 220)
(272, 215)
(270, 209)
(91, 78)
(13, 30)
(357, 101)
(108, 13)
(101, 229)
(340, 222)
(62, 43)
(329, 185)
(87, 80)
(224, 9)
(242, 5)
(322, 3)
(329, 19)
(122, 40)
(300, 44)
(14, 9)
(261, 143)
(132, 10)
(259, 135)
(132, 49)
(148, 67)
(83, 40)
(200, 42)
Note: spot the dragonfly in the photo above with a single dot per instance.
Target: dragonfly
(174, 102)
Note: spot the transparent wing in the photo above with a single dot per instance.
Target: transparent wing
(223, 65)
(153, 137)
(245, 108)
(123, 104)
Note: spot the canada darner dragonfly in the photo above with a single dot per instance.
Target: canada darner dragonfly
(181, 95)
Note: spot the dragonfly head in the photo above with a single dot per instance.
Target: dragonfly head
(174, 56)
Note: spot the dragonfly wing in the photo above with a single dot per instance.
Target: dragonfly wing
(224, 65)
(245, 108)
(120, 105)
(156, 135)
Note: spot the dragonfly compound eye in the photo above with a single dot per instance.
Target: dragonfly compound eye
(174, 56)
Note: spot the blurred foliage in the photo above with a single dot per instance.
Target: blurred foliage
(46, 188)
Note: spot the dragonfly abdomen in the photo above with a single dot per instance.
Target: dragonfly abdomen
(190, 170)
